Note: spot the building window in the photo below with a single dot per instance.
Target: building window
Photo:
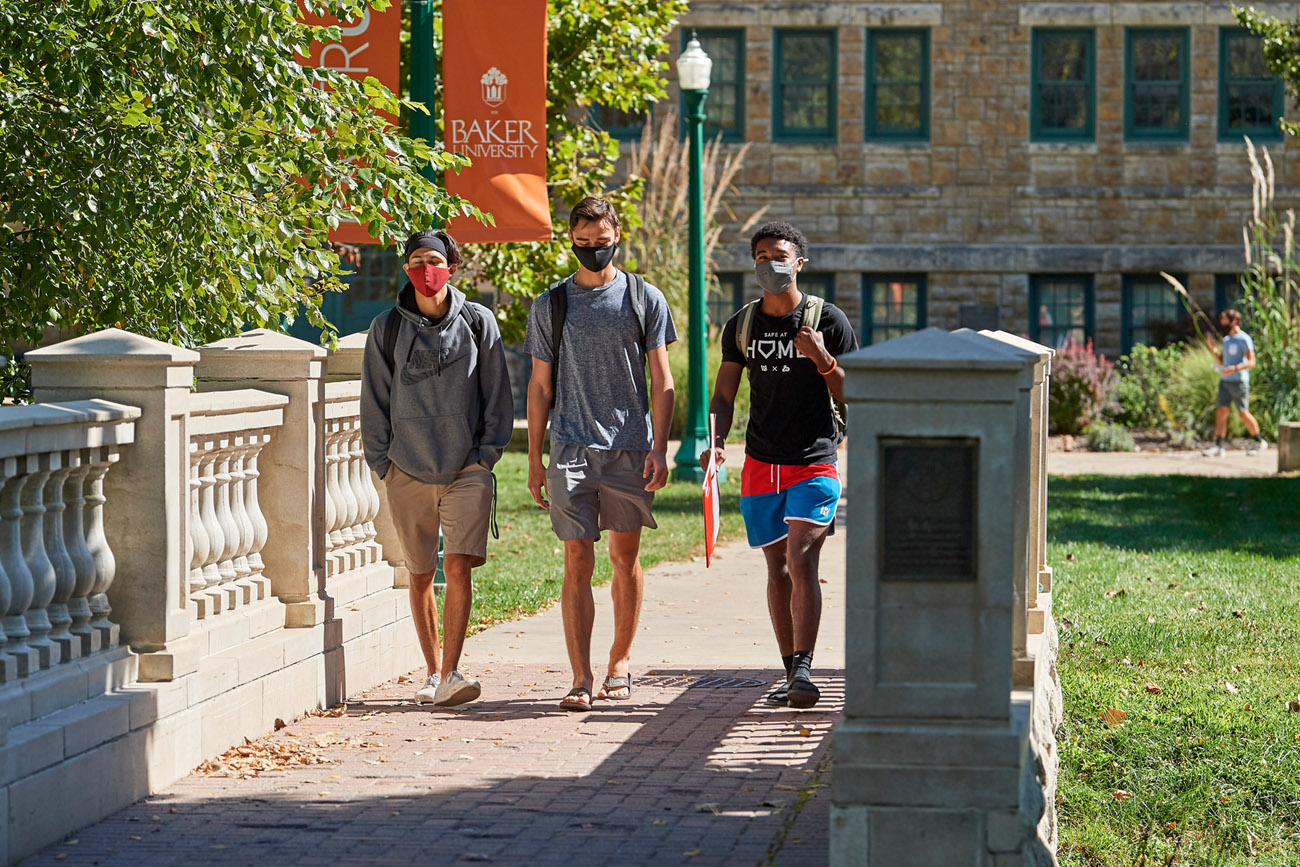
(621, 125)
(821, 284)
(804, 86)
(1227, 292)
(1250, 97)
(1155, 84)
(724, 108)
(1060, 308)
(1062, 102)
(898, 85)
(727, 298)
(1152, 313)
(892, 305)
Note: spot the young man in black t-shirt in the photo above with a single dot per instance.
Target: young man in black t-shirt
(790, 485)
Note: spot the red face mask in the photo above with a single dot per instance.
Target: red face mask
(429, 280)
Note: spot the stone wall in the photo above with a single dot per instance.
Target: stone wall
(979, 185)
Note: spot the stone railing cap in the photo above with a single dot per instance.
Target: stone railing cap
(68, 412)
(353, 341)
(265, 341)
(1022, 342)
(113, 344)
(935, 348)
(235, 400)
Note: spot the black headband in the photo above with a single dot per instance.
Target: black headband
(426, 239)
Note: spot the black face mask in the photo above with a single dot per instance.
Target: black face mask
(595, 258)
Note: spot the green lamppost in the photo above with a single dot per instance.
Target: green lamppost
(693, 68)
(424, 85)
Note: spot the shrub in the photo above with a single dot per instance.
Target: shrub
(1193, 394)
(1081, 381)
(1145, 375)
(1104, 436)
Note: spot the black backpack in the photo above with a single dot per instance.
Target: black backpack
(560, 308)
(393, 324)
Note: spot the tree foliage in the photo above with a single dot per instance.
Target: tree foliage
(599, 52)
(170, 167)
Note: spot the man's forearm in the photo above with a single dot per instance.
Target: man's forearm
(725, 412)
(539, 412)
(661, 414)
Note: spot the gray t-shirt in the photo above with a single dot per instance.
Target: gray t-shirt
(1235, 347)
(602, 400)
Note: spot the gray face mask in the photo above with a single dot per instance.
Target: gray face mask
(774, 277)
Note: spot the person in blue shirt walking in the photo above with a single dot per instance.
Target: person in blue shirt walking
(1234, 363)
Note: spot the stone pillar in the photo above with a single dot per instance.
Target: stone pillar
(1288, 446)
(292, 485)
(148, 491)
(934, 748)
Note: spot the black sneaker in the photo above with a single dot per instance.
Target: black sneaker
(778, 696)
(801, 691)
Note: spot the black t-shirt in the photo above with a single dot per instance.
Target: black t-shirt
(790, 420)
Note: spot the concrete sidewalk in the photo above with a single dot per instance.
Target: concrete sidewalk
(695, 769)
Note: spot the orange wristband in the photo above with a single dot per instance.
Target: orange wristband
(831, 369)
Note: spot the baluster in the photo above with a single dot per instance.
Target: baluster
(356, 468)
(56, 548)
(259, 439)
(74, 535)
(7, 668)
(208, 512)
(239, 511)
(38, 562)
(230, 533)
(105, 564)
(200, 546)
(333, 498)
(372, 498)
(21, 587)
(349, 505)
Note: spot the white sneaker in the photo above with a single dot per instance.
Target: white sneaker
(1214, 452)
(1259, 446)
(429, 691)
(456, 689)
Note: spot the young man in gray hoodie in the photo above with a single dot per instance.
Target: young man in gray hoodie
(436, 414)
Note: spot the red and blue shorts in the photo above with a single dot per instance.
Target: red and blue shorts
(773, 495)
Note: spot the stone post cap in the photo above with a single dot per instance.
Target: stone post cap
(345, 361)
(934, 349)
(937, 366)
(1045, 352)
(260, 354)
(353, 342)
(112, 345)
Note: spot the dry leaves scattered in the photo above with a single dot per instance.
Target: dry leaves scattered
(1114, 716)
(251, 758)
(1152, 688)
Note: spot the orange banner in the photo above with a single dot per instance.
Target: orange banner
(494, 112)
(369, 47)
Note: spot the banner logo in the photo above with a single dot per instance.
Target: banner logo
(494, 86)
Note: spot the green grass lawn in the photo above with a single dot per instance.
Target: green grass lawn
(1178, 600)
(526, 567)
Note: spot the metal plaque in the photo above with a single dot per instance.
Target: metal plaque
(927, 510)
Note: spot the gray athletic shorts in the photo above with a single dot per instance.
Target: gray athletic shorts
(1234, 392)
(593, 489)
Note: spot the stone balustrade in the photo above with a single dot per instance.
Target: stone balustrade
(351, 498)
(56, 564)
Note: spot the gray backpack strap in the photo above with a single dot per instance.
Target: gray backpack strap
(559, 295)
(812, 311)
(637, 294)
(392, 325)
(745, 326)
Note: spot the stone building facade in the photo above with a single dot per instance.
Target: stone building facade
(1028, 166)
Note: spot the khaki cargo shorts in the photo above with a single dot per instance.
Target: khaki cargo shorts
(593, 489)
(462, 510)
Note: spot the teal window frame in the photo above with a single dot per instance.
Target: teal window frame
(718, 80)
(1271, 133)
(875, 132)
(781, 132)
(729, 297)
(1059, 329)
(870, 326)
(819, 283)
(1132, 132)
(1038, 86)
(1129, 329)
(1227, 292)
(617, 131)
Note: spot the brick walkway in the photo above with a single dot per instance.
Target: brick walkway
(695, 770)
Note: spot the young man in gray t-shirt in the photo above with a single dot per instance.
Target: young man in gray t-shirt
(609, 437)
(1234, 365)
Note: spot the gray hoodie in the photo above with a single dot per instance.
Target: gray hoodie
(446, 405)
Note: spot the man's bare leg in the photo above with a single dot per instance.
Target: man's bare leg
(778, 597)
(455, 609)
(626, 590)
(1252, 426)
(803, 552)
(424, 613)
(579, 609)
(1220, 422)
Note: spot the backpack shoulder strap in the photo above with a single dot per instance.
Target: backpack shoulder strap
(636, 291)
(559, 295)
(812, 311)
(474, 321)
(392, 325)
(745, 325)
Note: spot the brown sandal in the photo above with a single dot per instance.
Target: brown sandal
(578, 698)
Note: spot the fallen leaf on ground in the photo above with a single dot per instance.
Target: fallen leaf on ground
(1120, 795)
(709, 807)
(1293, 706)
(1230, 688)
(1114, 716)
(1153, 689)
(279, 723)
(1112, 593)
